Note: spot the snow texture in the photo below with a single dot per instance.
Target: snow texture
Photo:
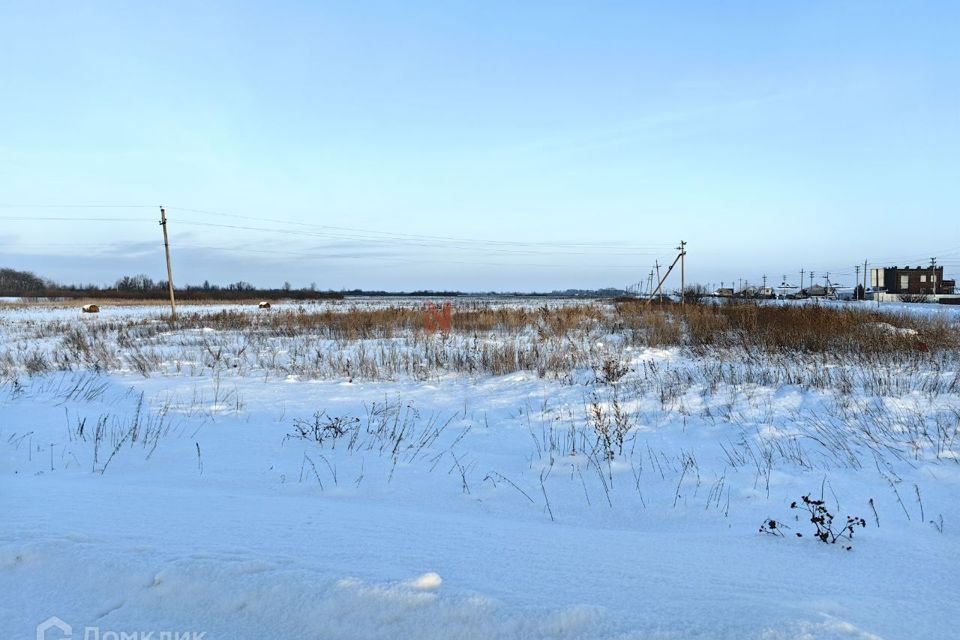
(473, 507)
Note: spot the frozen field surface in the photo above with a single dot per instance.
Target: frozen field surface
(187, 482)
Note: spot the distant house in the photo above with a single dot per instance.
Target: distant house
(725, 292)
(907, 280)
(816, 291)
(845, 293)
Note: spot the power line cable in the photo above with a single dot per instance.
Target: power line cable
(66, 219)
(420, 258)
(386, 241)
(391, 234)
(77, 206)
(350, 233)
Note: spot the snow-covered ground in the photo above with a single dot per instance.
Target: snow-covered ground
(235, 497)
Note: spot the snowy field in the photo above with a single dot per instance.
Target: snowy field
(576, 474)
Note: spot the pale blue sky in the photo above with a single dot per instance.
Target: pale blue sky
(561, 144)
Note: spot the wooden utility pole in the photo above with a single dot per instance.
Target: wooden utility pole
(864, 279)
(683, 253)
(663, 279)
(856, 295)
(933, 275)
(166, 248)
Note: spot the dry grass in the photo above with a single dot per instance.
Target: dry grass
(363, 322)
(805, 328)
(348, 340)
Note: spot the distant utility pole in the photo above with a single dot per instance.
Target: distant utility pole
(864, 279)
(933, 274)
(856, 295)
(166, 248)
(811, 278)
(801, 278)
(764, 281)
(683, 254)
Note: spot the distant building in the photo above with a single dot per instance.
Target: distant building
(844, 293)
(907, 280)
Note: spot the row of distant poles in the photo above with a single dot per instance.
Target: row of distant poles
(655, 277)
(826, 277)
(655, 291)
(784, 285)
(856, 269)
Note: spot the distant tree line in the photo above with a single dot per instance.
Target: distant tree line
(13, 280)
(421, 293)
(25, 284)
